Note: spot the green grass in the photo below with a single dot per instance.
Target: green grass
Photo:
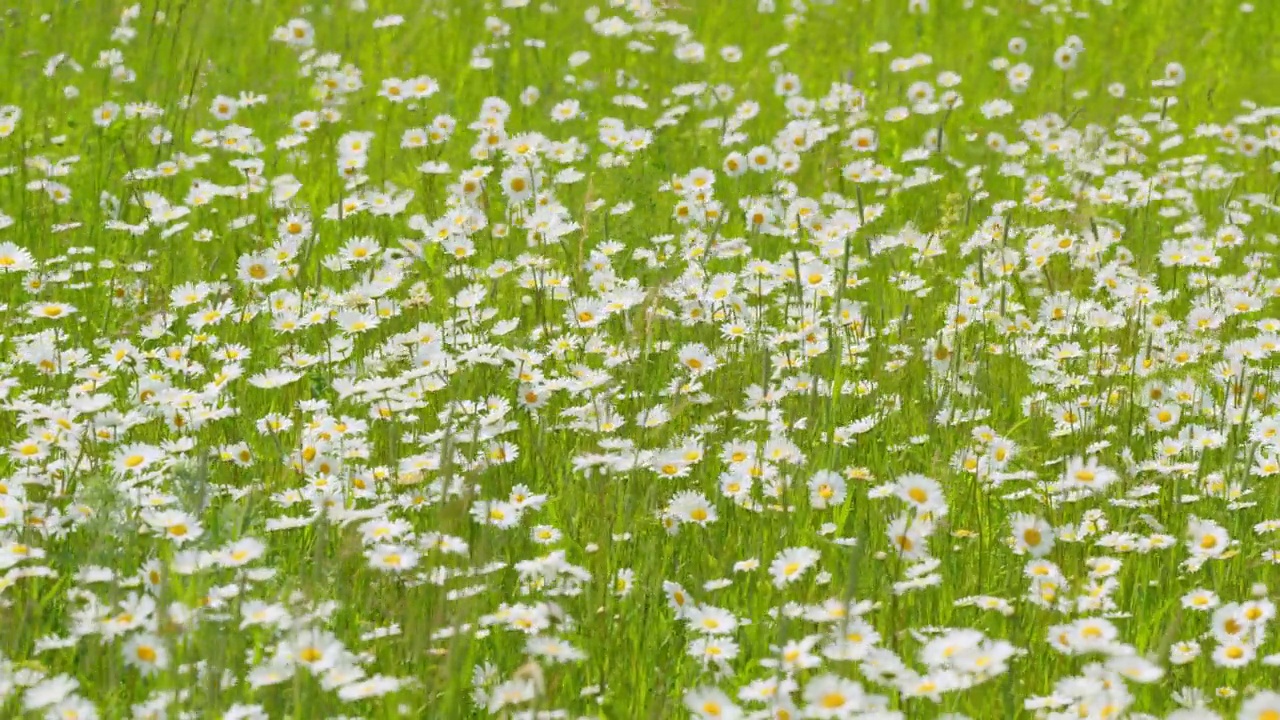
(400, 422)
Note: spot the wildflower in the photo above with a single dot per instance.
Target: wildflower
(826, 488)
(391, 558)
(146, 653)
(692, 507)
(1087, 475)
(1031, 535)
(831, 696)
(1261, 706)
(791, 564)
(52, 311)
(710, 703)
(922, 493)
(135, 458)
(711, 620)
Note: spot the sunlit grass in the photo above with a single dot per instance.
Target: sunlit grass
(304, 422)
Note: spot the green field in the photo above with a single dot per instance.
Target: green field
(645, 359)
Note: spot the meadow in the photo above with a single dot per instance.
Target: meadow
(637, 359)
